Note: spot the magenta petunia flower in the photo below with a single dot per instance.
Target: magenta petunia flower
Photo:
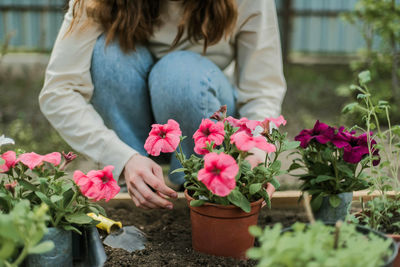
(32, 160)
(163, 138)
(97, 184)
(321, 132)
(358, 147)
(10, 159)
(219, 173)
(208, 132)
(245, 142)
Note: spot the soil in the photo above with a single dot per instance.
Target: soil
(169, 236)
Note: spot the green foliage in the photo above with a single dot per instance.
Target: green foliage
(21, 231)
(383, 212)
(314, 245)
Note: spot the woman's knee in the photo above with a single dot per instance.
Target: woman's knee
(187, 84)
(110, 61)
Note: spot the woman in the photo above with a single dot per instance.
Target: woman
(120, 65)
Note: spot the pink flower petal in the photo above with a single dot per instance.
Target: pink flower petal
(31, 160)
(10, 159)
(277, 121)
(262, 143)
(53, 158)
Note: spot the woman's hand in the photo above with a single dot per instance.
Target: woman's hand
(145, 183)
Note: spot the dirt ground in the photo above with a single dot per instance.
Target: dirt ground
(169, 236)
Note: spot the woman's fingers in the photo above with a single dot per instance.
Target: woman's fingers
(135, 197)
(157, 182)
(148, 196)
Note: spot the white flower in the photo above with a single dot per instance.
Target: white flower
(5, 140)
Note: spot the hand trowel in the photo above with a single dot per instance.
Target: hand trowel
(128, 238)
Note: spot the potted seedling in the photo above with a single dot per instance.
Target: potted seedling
(224, 193)
(318, 244)
(382, 212)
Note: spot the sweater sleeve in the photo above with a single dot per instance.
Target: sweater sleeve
(65, 97)
(259, 75)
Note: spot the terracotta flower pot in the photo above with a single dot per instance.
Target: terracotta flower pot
(222, 230)
(397, 239)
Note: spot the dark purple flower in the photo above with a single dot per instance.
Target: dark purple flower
(358, 147)
(321, 132)
(342, 138)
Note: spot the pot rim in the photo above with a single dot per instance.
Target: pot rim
(252, 204)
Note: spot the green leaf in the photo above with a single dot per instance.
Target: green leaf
(178, 170)
(289, 145)
(364, 77)
(255, 230)
(2, 161)
(335, 201)
(27, 185)
(316, 202)
(323, 178)
(197, 202)
(78, 218)
(275, 183)
(294, 166)
(44, 198)
(71, 228)
(350, 107)
(254, 253)
(43, 247)
(239, 200)
(254, 188)
(276, 166)
(55, 198)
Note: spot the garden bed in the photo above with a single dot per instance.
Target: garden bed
(169, 235)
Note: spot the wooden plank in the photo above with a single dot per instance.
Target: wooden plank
(281, 199)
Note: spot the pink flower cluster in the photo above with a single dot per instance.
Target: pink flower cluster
(31, 160)
(97, 184)
(219, 170)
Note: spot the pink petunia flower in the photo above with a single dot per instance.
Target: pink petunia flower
(163, 138)
(244, 124)
(219, 173)
(97, 184)
(32, 160)
(277, 121)
(245, 142)
(10, 159)
(208, 132)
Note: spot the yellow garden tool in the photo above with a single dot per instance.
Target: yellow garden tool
(105, 223)
(129, 238)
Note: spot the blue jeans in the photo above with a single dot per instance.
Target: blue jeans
(132, 91)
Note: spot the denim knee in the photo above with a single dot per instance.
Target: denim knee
(111, 58)
(188, 86)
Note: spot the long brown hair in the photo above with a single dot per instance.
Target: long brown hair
(132, 22)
